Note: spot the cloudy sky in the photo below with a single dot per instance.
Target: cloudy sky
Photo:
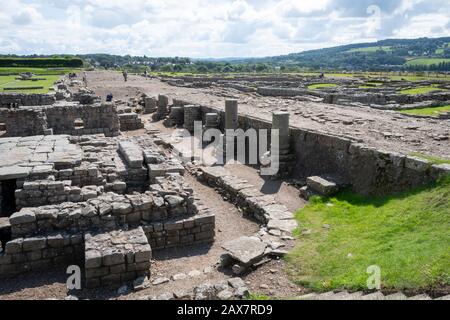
(211, 28)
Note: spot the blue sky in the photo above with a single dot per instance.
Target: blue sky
(211, 28)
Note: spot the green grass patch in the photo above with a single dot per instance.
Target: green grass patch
(421, 90)
(431, 159)
(425, 61)
(431, 111)
(8, 83)
(406, 235)
(321, 86)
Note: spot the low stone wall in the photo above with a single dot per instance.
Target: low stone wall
(369, 171)
(26, 99)
(48, 192)
(32, 121)
(130, 121)
(107, 212)
(409, 99)
(287, 92)
(96, 119)
(40, 253)
(24, 122)
(183, 232)
(116, 257)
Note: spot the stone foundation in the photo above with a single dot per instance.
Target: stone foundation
(116, 257)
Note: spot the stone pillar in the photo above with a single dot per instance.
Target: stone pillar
(163, 103)
(150, 105)
(231, 114)
(211, 120)
(280, 122)
(191, 114)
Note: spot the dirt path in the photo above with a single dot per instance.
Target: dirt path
(382, 129)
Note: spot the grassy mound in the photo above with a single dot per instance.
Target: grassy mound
(406, 235)
(420, 90)
(431, 111)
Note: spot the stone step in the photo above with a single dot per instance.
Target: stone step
(447, 297)
(322, 186)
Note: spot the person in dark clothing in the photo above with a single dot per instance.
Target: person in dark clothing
(109, 97)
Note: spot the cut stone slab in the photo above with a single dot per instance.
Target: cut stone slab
(23, 216)
(246, 250)
(14, 172)
(159, 281)
(322, 186)
(132, 154)
(282, 225)
(278, 212)
(214, 172)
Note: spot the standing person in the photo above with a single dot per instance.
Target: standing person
(85, 79)
(125, 75)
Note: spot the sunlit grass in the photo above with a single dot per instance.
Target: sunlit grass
(406, 235)
(431, 111)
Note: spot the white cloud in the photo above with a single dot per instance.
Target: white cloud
(201, 28)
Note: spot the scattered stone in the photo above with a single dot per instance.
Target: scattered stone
(159, 281)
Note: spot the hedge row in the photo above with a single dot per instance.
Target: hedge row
(41, 62)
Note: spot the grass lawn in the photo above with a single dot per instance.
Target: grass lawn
(432, 111)
(406, 235)
(420, 90)
(11, 82)
(321, 85)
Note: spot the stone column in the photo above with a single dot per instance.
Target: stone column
(231, 114)
(150, 105)
(280, 122)
(211, 120)
(192, 113)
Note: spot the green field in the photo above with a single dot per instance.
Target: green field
(321, 86)
(421, 90)
(431, 111)
(406, 235)
(425, 61)
(371, 49)
(11, 83)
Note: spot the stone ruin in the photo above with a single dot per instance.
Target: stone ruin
(74, 191)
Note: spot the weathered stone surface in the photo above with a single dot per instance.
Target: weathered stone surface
(282, 225)
(322, 186)
(23, 216)
(246, 250)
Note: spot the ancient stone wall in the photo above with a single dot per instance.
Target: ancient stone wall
(193, 230)
(287, 92)
(71, 119)
(26, 99)
(96, 118)
(40, 253)
(130, 121)
(367, 170)
(24, 122)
